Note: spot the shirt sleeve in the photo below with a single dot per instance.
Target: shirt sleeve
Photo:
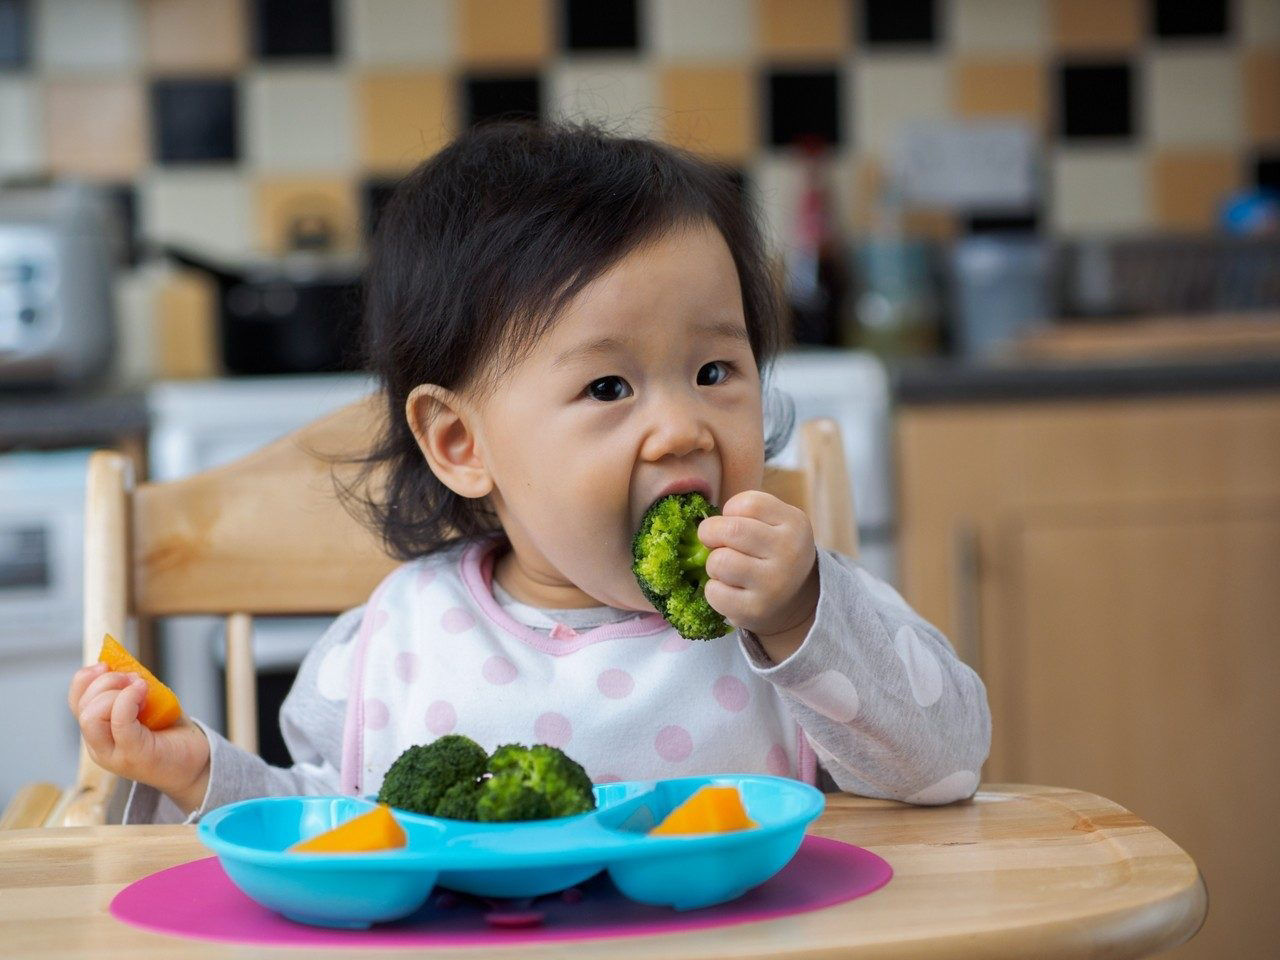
(311, 722)
(889, 708)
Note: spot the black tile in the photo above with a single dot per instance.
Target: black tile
(980, 222)
(1266, 171)
(899, 21)
(804, 105)
(1095, 101)
(294, 28)
(601, 25)
(15, 33)
(374, 194)
(1189, 18)
(503, 98)
(194, 121)
(124, 197)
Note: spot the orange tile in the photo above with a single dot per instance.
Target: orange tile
(1262, 94)
(95, 127)
(1088, 26)
(284, 206)
(790, 28)
(711, 110)
(192, 35)
(504, 32)
(1002, 88)
(1188, 186)
(404, 118)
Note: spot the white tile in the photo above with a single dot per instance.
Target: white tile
(891, 91)
(1099, 191)
(299, 121)
(618, 93)
(21, 145)
(401, 32)
(998, 25)
(1260, 21)
(210, 211)
(86, 35)
(1192, 97)
(700, 29)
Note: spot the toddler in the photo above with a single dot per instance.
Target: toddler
(567, 325)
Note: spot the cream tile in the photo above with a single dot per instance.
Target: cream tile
(616, 92)
(95, 127)
(22, 146)
(86, 35)
(1099, 191)
(1192, 96)
(1259, 21)
(893, 90)
(1019, 26)
(707, 29)
(299, 120)
(189, 36)
(402, 31)
(207, 210)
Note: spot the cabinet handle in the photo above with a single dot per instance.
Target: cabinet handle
(967, 614)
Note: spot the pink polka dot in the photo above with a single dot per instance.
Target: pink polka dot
(441, 717)
(607, 778)
(673, 744)
(731, 693)
(553, 729)
(376, 714)
(615, 684)
(776, 761)
(407, 665)
(456, 620)
(674, 644)
(499, 670)
(425, 576)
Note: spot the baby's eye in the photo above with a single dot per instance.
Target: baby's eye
(607, 389)
(718, 378)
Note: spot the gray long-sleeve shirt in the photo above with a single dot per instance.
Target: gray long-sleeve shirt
(887, 706)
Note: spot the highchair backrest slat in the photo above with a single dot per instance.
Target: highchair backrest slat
(266, 535)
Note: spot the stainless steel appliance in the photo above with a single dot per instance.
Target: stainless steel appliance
(59, 245)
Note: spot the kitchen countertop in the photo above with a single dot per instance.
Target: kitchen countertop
(1166, 356)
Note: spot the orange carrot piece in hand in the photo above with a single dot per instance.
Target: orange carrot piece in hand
(160, 708)
(375, 830)
(708, 810)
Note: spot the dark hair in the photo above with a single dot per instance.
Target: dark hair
(474, 256)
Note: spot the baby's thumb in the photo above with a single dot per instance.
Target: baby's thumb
(129, 734)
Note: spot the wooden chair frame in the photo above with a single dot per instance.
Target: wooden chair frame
(266, 535)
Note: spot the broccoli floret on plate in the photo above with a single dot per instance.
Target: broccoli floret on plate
(422, 775)
(459, 801)
(670, 565)
(547, 771)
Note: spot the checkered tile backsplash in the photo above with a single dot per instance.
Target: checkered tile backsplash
(220, 120)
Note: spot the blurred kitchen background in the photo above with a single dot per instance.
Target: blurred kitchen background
(1030, 251)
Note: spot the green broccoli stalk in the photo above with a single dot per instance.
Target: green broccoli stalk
(670, 565)
(421, 776)
(547, 772)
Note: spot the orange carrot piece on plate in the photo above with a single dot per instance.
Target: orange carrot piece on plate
(708, 810)
(160, 708)
(375, 830)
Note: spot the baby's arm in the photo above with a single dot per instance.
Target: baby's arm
(311, 724)
(890, 709)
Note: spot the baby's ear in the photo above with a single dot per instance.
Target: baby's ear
(445, 428)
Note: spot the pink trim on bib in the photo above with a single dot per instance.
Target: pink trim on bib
(350, 777)
(476, 569)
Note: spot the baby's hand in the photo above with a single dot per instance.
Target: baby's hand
(174, 760)
(763, 566)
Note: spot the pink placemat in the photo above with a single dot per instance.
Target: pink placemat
(198, 900)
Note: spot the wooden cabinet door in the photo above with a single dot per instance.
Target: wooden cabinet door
(1143, 659)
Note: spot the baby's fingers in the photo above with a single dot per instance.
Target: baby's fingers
(80, 681)
(130, 736)
(100, 684)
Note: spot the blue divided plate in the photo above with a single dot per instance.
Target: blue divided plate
(252, 837)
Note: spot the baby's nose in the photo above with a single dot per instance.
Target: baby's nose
(677, 429)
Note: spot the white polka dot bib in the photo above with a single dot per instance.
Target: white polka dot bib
(629, 700)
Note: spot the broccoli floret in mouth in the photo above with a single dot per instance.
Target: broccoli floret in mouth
(670, 565)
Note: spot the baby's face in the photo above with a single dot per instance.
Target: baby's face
(579, 442)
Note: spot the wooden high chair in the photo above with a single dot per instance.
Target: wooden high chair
(266, 535)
